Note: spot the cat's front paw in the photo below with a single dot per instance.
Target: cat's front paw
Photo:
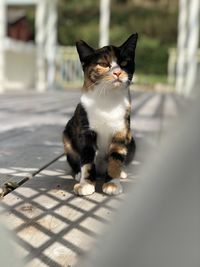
(84, 189)
(113, 187)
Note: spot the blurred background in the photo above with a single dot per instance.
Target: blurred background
(40, 81)
(38, 37)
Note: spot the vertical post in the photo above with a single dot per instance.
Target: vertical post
(51, 42)
(2, 42)
(104, 22)
(171, 67)
(40, 41)
(181, 47)
(192, 51)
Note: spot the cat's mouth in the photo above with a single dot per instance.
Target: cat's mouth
(117, 82)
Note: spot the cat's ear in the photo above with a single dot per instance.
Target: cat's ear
(84, 50)
(129, 46)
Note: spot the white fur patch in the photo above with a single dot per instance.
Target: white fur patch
(78, 177)
(123, 175)
(84, 172)
(106, 107)
(113, 187)
(114, 65)
(84, 189)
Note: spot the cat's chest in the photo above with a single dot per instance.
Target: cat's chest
(105, 116)
(104, 123)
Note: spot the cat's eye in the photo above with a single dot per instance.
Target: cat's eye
(124, 63)
(104, 64)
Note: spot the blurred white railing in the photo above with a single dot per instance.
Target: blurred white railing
(68, 68)
(20, 65)
(172, 65)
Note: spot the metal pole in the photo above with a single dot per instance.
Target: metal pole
(40, 41)
(51, 42)
(181, 47)
(192, 50)
(104, 22)
(2, 39)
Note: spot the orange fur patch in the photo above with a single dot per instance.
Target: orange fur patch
(101, 70)
(120, 136)
(114, 168)
(119, 148)
(129, 136)
(68, 149)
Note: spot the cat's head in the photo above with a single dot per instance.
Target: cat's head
(108, 65)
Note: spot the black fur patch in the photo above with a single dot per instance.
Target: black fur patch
(92, 173)
(118, 156)
(131, 151)
(108, 178)
(83, 140)
(74, 163)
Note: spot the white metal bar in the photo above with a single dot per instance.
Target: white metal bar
(40, 24)
(51, 42)
(171, 67)
(104, 22)
(192, 50)
(182, 42)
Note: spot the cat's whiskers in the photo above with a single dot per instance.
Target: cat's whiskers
(100, 90)
(104, 91)
(104, 86)
(91, 85)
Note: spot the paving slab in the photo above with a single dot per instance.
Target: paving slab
(53, 225)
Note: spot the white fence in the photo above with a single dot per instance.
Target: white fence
(20, 68)
(20, 65)
(68, 68)
(172, 66)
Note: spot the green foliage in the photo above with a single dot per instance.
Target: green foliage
(151, 79)
(151, 56)
(78, 20)
(156, 23)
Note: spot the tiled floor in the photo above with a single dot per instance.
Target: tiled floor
(52, 226)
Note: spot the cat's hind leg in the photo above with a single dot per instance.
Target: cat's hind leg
(131, 148)
(117, 156)
(74, 163)
(72, 156)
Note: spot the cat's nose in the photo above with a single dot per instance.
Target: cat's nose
(117, 73)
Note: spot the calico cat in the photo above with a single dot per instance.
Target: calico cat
(98, 139)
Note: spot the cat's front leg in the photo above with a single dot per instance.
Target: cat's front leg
(87, 155)
(117, 155)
